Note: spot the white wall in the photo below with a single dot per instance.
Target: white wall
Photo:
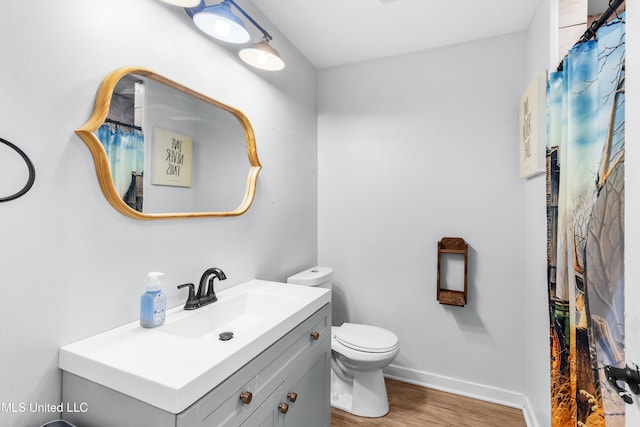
(541, 56)
(70, 265)
(412, 149)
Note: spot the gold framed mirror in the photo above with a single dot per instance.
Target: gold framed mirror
(162, 150)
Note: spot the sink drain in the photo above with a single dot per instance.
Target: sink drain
(226, 336)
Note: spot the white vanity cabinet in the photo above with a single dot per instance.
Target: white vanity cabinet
(288, 384)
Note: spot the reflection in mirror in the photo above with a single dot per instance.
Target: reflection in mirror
(164, 151)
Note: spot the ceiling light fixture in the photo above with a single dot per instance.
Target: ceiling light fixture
(220, 22)
(262, 55)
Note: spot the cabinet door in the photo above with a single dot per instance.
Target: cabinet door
(268, 414)
(307, 392)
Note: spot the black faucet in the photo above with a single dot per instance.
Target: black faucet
(211, 295)
(206, 295)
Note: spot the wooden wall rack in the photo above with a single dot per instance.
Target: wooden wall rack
(456, 246)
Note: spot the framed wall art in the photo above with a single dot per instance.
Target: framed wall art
(533, 126)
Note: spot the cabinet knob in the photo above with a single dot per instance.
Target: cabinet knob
(315, 335)
(284, 408)
(246, 397)
(292, 397)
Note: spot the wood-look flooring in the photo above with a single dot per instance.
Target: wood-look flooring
(412, 405)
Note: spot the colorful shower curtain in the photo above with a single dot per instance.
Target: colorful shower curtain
(125, 150)
(585, 212)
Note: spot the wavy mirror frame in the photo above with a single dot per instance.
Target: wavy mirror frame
(100, 112)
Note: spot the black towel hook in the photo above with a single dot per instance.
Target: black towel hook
(32, 172)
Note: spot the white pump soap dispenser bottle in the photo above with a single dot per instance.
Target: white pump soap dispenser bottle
(152, 303)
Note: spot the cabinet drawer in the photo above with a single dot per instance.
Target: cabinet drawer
(303, 344)
(223, 406)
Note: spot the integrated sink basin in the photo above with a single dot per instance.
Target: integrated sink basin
(245, 313)
(175, 364)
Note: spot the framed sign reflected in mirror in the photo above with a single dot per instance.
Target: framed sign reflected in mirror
(162, 150)
(172, 158)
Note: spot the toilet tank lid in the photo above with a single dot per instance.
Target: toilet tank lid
(312, 276)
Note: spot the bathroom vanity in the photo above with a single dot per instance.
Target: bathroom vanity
(275, 372)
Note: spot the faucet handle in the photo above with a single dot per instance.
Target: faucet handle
(192, 302)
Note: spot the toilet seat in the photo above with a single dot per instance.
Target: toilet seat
(365, 338)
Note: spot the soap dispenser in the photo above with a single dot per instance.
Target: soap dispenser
(152, 302)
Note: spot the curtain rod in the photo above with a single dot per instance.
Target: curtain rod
(593, 29)
(115, 122)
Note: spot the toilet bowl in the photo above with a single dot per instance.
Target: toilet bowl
(358, 355)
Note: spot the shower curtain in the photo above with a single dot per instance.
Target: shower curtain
(585, 214)
(125, 150)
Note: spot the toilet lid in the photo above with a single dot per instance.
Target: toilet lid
(367, 338)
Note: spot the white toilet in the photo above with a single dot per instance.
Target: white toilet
(359, 353)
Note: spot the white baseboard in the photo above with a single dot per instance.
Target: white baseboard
(529, 416)
(463, 388)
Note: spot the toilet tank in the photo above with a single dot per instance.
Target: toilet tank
(314, 276)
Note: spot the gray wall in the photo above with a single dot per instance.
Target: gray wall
(72, 266)
(541, 55)
(414, 148)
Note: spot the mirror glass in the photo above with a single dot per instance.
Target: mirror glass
(164, 151)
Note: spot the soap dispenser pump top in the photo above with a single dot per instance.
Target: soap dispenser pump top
(154, 281)
(152, 302)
